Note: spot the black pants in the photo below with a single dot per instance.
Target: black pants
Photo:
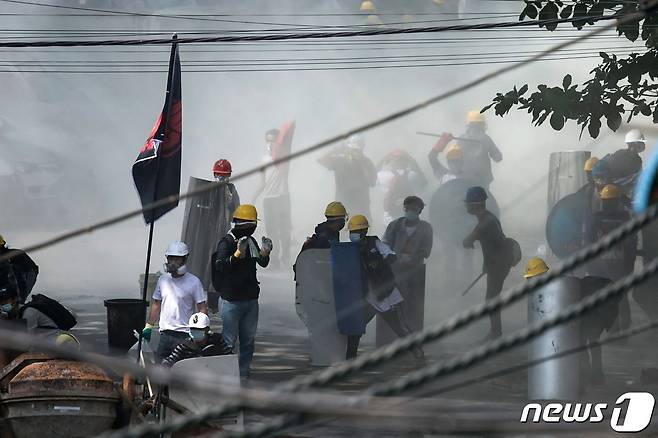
(395, 320)
(495, 280)
(278, 225)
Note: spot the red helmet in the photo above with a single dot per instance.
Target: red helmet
(222, 168)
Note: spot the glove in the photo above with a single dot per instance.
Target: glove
(443, 141)
(146, 332)
(243, 248)
(266, 245)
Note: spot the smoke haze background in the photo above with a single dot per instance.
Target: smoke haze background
(93, 125)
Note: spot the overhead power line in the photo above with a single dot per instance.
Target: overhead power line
(309, 35)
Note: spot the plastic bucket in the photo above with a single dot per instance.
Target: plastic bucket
(123, 316)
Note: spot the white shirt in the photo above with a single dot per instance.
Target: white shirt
(395, 297)
(276, 179)
(179, 298)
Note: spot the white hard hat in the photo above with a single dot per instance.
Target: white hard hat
(634, 136)
(177, 248)
(199, 321)
(356, 141)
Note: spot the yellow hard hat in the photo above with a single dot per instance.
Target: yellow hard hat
(335, 209)
(67, 340)
(534, 267)
(474, 116)
(589, 164)
(610, 191)
(357, 223)
(246, 212)
(453, 152)
(367, 6)
(2, 241)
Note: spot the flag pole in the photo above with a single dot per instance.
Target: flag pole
(155, 191)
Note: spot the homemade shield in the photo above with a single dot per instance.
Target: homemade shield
(448, 213)
(207, 219)
(348, 288)
(197, 402)
(316, 306)
(564, 226)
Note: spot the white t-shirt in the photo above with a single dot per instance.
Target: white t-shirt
(276, 179)
(179, 298)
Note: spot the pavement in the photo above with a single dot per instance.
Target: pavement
(282, 353)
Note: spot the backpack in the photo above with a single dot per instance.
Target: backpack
(513, 250)
(60, 315)
(217, 274)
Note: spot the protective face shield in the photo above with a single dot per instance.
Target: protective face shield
(197, 335)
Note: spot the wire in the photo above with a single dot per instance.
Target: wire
(315, 35)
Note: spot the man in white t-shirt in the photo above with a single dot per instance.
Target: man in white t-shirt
(276, 197)
(177, 296)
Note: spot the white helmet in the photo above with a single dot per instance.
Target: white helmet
(634, 136)
(356, 141)
(199, 321)
(177, 248)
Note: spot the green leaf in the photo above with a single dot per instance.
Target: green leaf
(566, 11)
(580, 10)
(549, 12)
(655, 114)
(530, 11)
(566, 82)
(594, 128)
(613, 120)
(557, 121)
(645, 110)
(523, 90)
(487, 107)
(542, 118)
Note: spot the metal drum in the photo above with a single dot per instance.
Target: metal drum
(557, 379)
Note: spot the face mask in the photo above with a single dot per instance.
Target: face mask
(5, 310)
(355, 237)
(244, 229)
(222, 178)
(411, 215)
(182, 270)
(197, 335)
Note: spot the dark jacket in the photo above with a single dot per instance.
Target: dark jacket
(322, 237)
(23, 270)
(238, 275)
(215, 346)
(377, 273)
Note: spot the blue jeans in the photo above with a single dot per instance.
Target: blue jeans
(240, 321)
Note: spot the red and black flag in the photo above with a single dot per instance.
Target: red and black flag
(157, 169)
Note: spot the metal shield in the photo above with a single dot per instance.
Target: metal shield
(207, 219)
(564, 226)
(448, 213)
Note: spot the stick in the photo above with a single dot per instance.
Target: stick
(431, 134)
(473, 284)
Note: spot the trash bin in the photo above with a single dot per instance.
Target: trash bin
(123, 316)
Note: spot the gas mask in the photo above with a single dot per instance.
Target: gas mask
(222, 178)
(174, 267)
